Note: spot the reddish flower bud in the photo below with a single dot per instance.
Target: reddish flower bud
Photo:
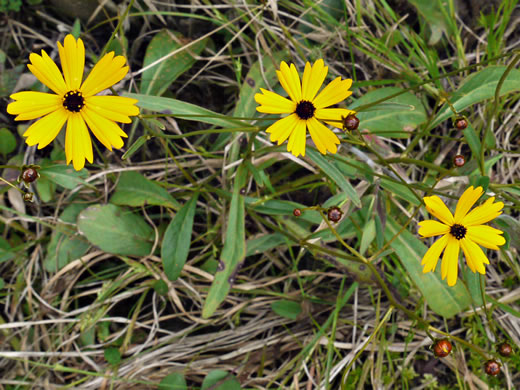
(351, 122)
(492, 367)
(442, 348)
(30, 175)
(334, 214)
(297, 212)
(505, 349)
(461, 123)
(459, 160)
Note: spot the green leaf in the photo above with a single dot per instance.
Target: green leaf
(234, 249)
(368, 235)
(160, 287)
(159, 77)
(8, 79)
(64, 175)
(177, 239)
(136, 146)
(335, 175)
(112, 355)
(220, 380)
(173, 381)
(183, 110)
(442, 299)
(400, 190)
(133, 189)
(264, 243)
(46, 189)
(63, 248)
(396, 118)
(7, 141)
(116, 230)
(6, 252)
(477, 87)
(287, 309)
(473, 141)
(431, 12)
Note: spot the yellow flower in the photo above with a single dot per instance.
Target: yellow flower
(463, 230)
(74, 102)
(305, 109)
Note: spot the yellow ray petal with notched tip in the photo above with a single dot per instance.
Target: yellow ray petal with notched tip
(483, 213)
(297, 139)
(272, 103)
(437, 208)
(107, 72)
(115, 108)
(475, 257)
(431, 257)
(78, 145)
(290, 81)
(313, 78)
(72, 58)
(105, 130)
(486, 236)
(431, 228)
(324, 139)
(282, 129)
(333, 116)
(31, 105)
(46, 129)
(466, 202)
(450, 261)
(45, 70)
(336, 91)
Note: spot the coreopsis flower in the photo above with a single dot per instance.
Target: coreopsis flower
(306, 110)
(74, 102)
(464, 230)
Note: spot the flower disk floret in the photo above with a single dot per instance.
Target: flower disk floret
(465, 229)
(74, 102)
(306, 109)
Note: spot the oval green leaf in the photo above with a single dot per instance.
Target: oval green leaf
(220, 380)
(173, 381)
(116, 230)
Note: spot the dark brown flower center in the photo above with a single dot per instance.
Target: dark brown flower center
(458, 231)
(73, 101)
(305, 109)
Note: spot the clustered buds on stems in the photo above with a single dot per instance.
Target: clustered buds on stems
(442, 348)
(351, 122)
(334, 214)
(492, 367)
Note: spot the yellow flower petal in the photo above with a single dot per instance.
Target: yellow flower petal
(115, 108)
(297, 139)
(486, 236)
(483, 213)
(108, 71)
(333, 116)
(105, 130)
(475, 257)
(313, 78)
(335, 92)
(466, 201)
(272, 103)
(46, 129)
(430, 228)
(72, 57)
(32, 105)
(280, 130)
(437, 208)
(45, 70)
(450, 261)
(78, 145)
(431, 257)
(322, 136)
(290, 80)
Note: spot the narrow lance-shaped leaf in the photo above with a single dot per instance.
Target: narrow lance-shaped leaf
(234, 249)
(177, 239)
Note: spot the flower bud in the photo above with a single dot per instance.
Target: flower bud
(334, 214)
(492, 367)
(442, 348)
